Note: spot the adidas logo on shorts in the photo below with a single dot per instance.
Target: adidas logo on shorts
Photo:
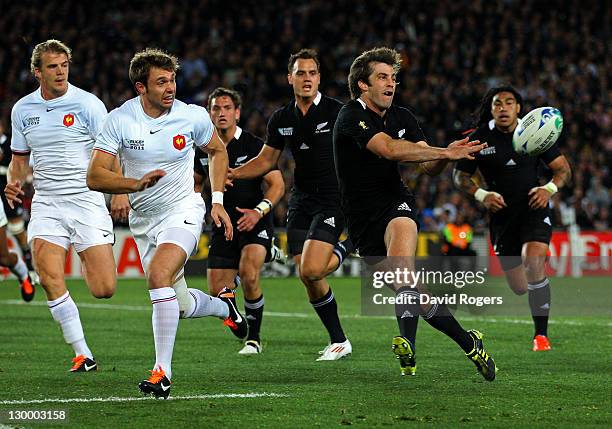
(263, 234)
(330, 221)
(404, 206)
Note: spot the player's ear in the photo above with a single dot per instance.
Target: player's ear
(140, 88)
(362, 85)
(237, 113)
(37, 73)
(289, 78)
(518, 108)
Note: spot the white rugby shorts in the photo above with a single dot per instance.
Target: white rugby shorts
(78, 219)
(180, 225)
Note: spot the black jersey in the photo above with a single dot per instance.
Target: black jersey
(310, 139)
(506, 172)
(368, 182)
(245, 193)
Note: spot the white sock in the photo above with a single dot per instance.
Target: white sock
(205, 305)
(19, 269)
(165, 323)
(66, 313)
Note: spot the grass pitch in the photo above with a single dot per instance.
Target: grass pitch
(569, 386)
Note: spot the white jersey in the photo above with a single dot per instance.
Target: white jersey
(60, 135)
(145, 144)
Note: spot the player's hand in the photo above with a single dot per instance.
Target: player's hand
(229, 181)
(539, 197)
(149, 179)
(220, 216)
(464, 149)
(248, 220)
(13, 193)
(120, 207)
(494, 202)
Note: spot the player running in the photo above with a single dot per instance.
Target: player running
(154, 134)
(520, 218)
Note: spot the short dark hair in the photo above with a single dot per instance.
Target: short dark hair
(361, 68)
(483, 115)
(304, 54)
(143, 61)
(221, 91)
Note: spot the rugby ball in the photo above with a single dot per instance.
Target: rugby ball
(537, 131)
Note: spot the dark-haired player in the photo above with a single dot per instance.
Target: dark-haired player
(520, 224)
(250, 212)
(314, 219)
(371, 137)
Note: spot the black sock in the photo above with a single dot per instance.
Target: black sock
(539, 302)
(441, 318)
(27, 257)
(407, 312)
(253, 309)
(342, 249)
(327, 309)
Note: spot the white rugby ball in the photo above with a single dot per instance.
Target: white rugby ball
(537, 131)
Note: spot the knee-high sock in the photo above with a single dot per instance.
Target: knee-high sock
(165, 323)
(19, 269)
(66, 313)
(327, 309)
(407, 312)
(203, 305)
(539, 303)
(441, 318)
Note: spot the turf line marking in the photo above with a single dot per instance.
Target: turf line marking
(145, 398)
(484, 319)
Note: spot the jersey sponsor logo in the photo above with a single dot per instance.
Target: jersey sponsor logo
(331, 221)
(547, 221)
(286, 131)
(204, 161)
(69, 120)
(134, 144)
(179, 142)
(363, 125)
(154, 131)
(321, 125)
(240, 160)
(304, 146)
(50, 109)
(34, 120)
(487, 150)
(510, 163)
(401, 133)
(263, 234)
(404, 206)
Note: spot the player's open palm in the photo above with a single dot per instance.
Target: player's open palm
(494, 202)
(13, 193)
(150, 179)
(248, 220)
(464, 149)
(220, 216)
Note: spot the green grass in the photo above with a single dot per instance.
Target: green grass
(569, 386)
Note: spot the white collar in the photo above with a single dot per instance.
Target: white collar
(317, 99)
(238, 132)
(362, 103)
(492, 124)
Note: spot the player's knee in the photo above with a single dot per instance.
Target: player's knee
(249, 278)
(158, 279)
(311, 273)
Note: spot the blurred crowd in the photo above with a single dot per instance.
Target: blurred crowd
(555, 53)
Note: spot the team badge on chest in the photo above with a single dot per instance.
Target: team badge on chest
(179, 142)
(69, 120)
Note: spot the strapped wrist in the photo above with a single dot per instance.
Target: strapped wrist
(264, 207)
(551, 187)
(217, 197)
(481, 194)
